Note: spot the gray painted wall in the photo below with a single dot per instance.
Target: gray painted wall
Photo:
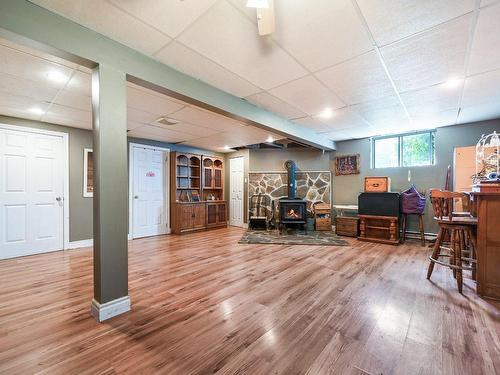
(80, 208)
(274, 159)
(346, 188)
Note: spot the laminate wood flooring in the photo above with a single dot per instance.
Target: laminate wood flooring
(204, 304)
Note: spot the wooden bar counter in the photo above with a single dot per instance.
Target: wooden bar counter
(487, 206)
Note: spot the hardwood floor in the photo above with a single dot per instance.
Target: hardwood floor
(202, 303)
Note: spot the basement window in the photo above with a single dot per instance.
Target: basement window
(403, 150)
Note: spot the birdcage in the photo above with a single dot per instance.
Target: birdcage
(488, 158)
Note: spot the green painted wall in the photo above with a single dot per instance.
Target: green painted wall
(347, 188)
(274, 159)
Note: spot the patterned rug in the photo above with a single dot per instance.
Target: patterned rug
(292, 238)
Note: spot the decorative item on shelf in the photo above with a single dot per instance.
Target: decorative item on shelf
(377, 184)
(487, 158)
(346, 165)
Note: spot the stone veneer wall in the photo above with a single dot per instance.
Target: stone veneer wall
(311, 186)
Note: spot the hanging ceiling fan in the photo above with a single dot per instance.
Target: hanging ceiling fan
(265, 15)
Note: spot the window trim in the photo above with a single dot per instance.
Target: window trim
(432, 149)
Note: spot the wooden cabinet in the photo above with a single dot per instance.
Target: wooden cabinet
(382, 229)
(216, 214)
(196, 192)
(347, 226)
(188, 217)
(488, 242)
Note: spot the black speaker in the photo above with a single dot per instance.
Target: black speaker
(378, 204)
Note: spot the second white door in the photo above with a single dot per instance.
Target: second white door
(149, 214)
(236, 196)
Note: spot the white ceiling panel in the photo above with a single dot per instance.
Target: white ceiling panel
(391, 20)
(80, 83)
(275, 105)
(430, 57)
(23, 87)
(204, 118)
(382, 112)
(170, 17)
(313, 124)
(110, 21)
(432, 99)
(143, 117)
(229, 38)
(485, 3)
(33, 68)
(482, 88)
(345, 118)
(485, 54)
(21, 106)
(485, 111)
(358, 80)
(192, 63)
(434, 120)
(151, 102)
(173, 136)
(307, 94)
(74, 100)
(320, 33)
(63, 113)
(197, 131)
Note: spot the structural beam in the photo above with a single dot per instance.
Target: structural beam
(30, 23)
(109, 107)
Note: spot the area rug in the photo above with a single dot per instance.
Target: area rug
(292, 238)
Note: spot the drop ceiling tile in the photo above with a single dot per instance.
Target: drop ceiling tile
(21, 106)
(482, 88)
(353, 133)
(391, 20)
(74, 100)
(320, 34)
(307, 94)
(313, 124)
(27, 66)
(275, 105)
(184, 127)
(24, 87)
(485, 54)
(434, 120)
(192, 63)
(206, 119)
(344, 118)
(147, 101)
(131, 125)
(136, 115)
(381, 113)
(170, 17)
(338, 136)
(67, 113)
(110, 21)
(481, 112)
(431, 99)
(81, 83)
(430, 57)
(229, 38)
(485, 3)
(358, 80)
(173, 136)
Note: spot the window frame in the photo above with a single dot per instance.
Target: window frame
(399, 137)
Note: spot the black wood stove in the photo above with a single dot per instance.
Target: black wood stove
(293, 210)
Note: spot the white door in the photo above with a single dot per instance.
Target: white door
(149, 209)
(31, 193)
(236, 196)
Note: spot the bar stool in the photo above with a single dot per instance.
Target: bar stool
(461, 231)
(420, 227)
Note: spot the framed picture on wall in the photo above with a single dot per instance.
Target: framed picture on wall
(346, 164)
(88, 173)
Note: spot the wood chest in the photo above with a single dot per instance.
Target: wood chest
(347, 226)
(377, 184)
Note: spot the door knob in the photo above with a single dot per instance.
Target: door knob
(58, 199)
(136, 197)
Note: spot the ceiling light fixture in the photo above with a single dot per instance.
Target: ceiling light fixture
(257, 4)
(226, 147)
(326, 113)
(37, 111)
(166, 121)
(453, 83)
(57, 76)
(270, 139)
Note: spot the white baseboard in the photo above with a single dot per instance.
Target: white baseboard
(108, 310)
(81, 243)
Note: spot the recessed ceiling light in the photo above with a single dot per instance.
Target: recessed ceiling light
(166, 121)
(257, 4)
(57, 76)
(453, 82)
(37, 111)
(270, 139)
(226, 147)
(326, 113)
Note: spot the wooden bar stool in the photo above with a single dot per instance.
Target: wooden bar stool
(420, 227)
(461, 230)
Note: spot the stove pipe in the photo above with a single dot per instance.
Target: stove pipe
(292, 186)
